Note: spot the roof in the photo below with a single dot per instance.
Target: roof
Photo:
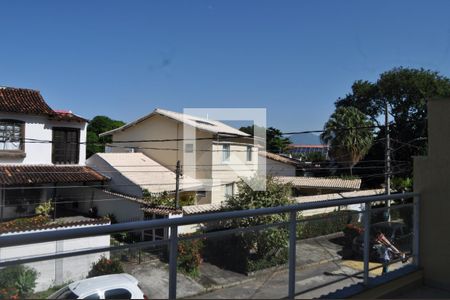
(324, 197)
(27, 101)
(307, 146)
(144, 172)
(202, 208)
(162, 210)
(212, 126)
(39, 174)
(39, 223)
(63, 115)
(88, 285)
(321, 182)
(279, 158)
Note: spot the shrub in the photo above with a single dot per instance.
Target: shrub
(327, 223)
(105, 266)
(189, 256)
(252, 251)
(44, 209)
(17, 280)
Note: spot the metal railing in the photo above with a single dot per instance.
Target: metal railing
(175, 223)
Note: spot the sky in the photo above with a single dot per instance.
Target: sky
(123, 59)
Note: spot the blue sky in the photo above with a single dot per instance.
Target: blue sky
(124, 58)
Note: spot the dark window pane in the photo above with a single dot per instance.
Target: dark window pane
(118, 294)
(66, 145)
(93, 296)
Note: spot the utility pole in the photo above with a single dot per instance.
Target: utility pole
(387, 175)
(177, 185)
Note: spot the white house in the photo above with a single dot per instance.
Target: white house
(41, 151)
(211, 152)
(277, 165)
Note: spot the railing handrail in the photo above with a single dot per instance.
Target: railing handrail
(30, 238)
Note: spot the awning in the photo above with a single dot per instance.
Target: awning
(41, 174)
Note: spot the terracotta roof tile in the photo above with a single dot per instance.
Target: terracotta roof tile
(321, 182)
(27, 101)
(23, 101)
(39, 174)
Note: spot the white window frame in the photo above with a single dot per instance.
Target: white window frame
(226, 153)
(227, 187)
(189, 148)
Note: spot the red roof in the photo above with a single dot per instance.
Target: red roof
(23, 101)
(26, 101)
(40, 174)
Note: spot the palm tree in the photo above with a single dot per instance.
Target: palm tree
(349, 133)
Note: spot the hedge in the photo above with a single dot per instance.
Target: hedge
(326, 223)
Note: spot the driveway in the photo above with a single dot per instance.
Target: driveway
(153, 278)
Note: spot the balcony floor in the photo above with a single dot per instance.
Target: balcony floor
(424, 292)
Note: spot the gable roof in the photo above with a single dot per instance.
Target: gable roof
(321, 182)
(279, 158)
(144, 172)
(27, 101)
(212, 126)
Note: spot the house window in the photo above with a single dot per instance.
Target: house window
(66, 145)
(249, 153)
(226, 152)
(189, 148)
(15, 196)
(11, 135)
(229, 190)
(201, 194)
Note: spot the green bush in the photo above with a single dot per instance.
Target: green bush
(189, 256)
(105, 266)
(251, 251)
(326, 223)
(17, 280)
(44, 209)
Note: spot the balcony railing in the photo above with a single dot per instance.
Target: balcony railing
(173, 225)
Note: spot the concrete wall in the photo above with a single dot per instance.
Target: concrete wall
(431, 180)
(40, 128)
(58, 271)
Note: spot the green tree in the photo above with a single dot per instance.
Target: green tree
(97, 125)
(275, 141)
(251, 251)
(406, 91)
(349, 135)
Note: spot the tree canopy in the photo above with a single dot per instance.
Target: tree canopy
(275, 141)
(97, 125)
(348, 132)
(406, 91)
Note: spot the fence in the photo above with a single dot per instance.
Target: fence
(174, 224)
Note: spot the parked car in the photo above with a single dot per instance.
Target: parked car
(396, 232)
(116, 286)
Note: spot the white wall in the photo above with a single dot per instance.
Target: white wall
(118, 182)
(58, 271)
(40, 128)
(276, 168)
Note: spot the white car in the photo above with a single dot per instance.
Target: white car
(116, 286)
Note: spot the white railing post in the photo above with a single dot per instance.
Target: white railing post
(173, 253)
(416, 230)
(292, 252)
(367, 216)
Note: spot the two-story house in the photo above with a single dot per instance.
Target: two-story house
(42, 155)
(211, 152)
